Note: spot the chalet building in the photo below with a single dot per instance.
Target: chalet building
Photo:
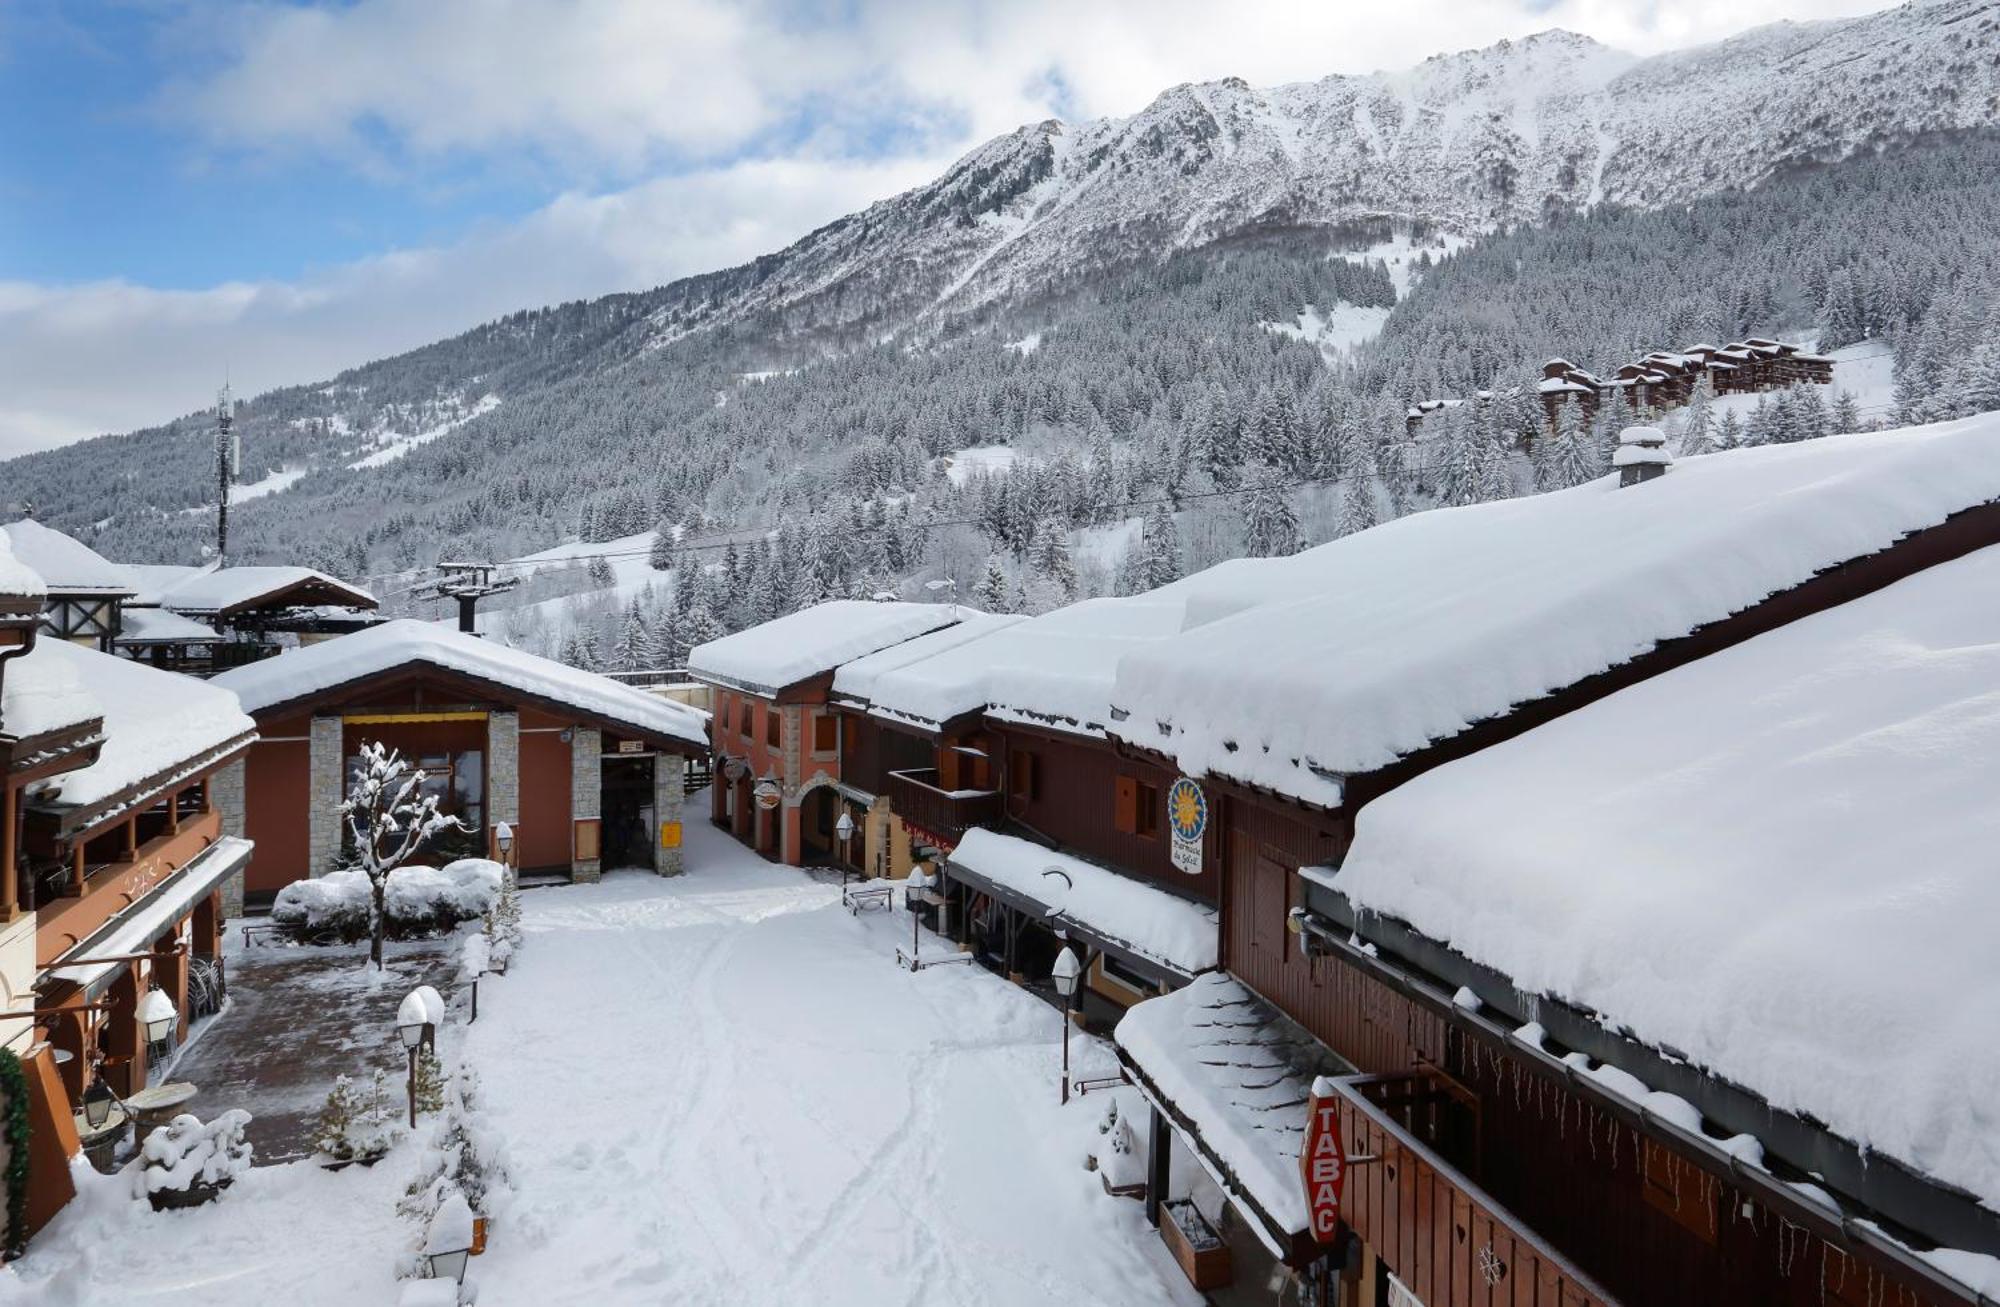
(586, 773)
(1666, 379)
(86, 592)
(992, 755)
(1508, 1144)
(204, 620)
(777, 755)
(119, 832)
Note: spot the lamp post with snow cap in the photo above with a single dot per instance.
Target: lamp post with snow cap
(1067, 969)
(916, 890)
(844, 831)
(503, 840)
(414, 1027)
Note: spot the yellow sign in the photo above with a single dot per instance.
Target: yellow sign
(670, 834)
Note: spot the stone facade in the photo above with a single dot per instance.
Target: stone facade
(503, 771)
(586, 794)
(225, 794)
(325, 790)
(669, 794)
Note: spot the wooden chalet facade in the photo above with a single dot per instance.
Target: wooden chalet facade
(1665, 380)
(585, 773)
(1490, 1169)
(115, 848)
(86, 593)
(201, 621)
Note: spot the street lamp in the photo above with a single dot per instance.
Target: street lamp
(413, 1026)
(448, 1242)
(844, 831)
(503, 839)
(1067, 969)
(97, 1102)
(946, 583)
(157, 1016)
(916, 890)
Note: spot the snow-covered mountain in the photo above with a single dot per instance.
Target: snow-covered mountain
(742, 396)
(1462, 141)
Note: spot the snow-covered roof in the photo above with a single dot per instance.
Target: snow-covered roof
(1162, 928)
(856, 682)
(66, 564)
(1777, 860)
(160, 626)
(154, 721)
(17, 579)
(42, 692)
(1242, 1074)
(226, 589)
(799, 646)
(1054, 670)
(155, 579)
(1407, 633)
(313, 669)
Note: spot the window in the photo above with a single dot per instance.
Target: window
(774, 727)
(1024, 775)
(745, 714)
(1125, 977)
(826, 733)
(1135, 808)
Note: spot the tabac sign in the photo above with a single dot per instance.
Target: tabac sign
(1323, 1166)
(1187, 819)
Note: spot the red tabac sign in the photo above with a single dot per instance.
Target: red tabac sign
(1323, 1165)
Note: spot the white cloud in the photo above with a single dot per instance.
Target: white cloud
(111, 356)
(608, 93)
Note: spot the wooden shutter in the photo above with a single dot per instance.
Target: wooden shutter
(825, 737)
(1125, 805)
(1023, 781)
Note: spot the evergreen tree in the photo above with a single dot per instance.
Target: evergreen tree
(1160, 548)
(1052, 561)
(1357, 502)
(1846, 415)
(600, 571)
(1271, 528)
(991, 592)
(1698, 425)
(1729, 431)
(1570, 459)
(660, 556)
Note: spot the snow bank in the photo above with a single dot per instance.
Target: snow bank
(1163, 928)
(154, 721)
(1406, 634)
(805, 644)
(1777, 860)
(184, 1152)
(1241, 1073)
(315, 668)
(65, 564)
(419, 900)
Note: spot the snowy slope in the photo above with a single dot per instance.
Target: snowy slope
(1706, 857)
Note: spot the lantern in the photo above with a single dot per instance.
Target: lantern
(157, 1016)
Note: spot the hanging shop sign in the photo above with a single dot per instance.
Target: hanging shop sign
(1323, 1166)
(1187, 819)
(766, 794)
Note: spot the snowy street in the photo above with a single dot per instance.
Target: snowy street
(707, 1087)
(721, 1084)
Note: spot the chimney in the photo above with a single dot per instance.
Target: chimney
(1642, 455)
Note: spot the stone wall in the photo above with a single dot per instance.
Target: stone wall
(225, 794)
(503, 771)
(669, 794)
(586, 795)
(325, 791)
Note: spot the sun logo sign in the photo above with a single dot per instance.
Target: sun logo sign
(1187, 818)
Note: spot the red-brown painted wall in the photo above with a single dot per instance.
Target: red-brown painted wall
(545, 809)
(276, 783)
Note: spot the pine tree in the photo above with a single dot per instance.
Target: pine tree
(1357, 502)
(1729, 431)
(333, 1135)
(1846, 415)
(600, 571)
(430, 1081)
(1570, 459)
(661, 556)
(1160, 548)
(1698, 425)
(1051, 558)
(1271, 528)
(991, 592)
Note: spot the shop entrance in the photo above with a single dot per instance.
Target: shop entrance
(628, 812)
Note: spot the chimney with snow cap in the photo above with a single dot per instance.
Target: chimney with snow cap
(1642, 455)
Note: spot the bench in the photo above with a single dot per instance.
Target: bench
(858, 898)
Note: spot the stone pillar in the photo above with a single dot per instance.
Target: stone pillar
(325, 790)
(503, 773)
(586, 797)
(225, 795)
(669, 792)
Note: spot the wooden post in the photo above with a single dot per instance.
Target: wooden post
(174, 813)
(1159, 1142)
(131, 832)
(76, 867)
(10, 887)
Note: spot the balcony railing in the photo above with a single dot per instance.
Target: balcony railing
(1441, 1235)
(943, 814)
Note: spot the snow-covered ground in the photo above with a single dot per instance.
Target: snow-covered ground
(721, 1086)
(1335, 332)
(392, 445)
(710, 1089)
(980, 460)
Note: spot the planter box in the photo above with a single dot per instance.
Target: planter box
(1200, 1251)
(342, 1163)
(165, 1200)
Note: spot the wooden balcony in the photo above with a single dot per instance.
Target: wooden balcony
(64, 918)
(943, 815)
(1443, 1237)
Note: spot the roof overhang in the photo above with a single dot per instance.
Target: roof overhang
(1430, 973)
(87, 821)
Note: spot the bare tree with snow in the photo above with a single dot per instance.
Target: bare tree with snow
(391, 818)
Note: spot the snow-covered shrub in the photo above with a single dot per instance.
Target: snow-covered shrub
(355, 1124)
(503, 927)
(186, 1156)
(430, 1081)
(419, 901)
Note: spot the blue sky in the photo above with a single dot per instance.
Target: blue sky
(285, 188)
